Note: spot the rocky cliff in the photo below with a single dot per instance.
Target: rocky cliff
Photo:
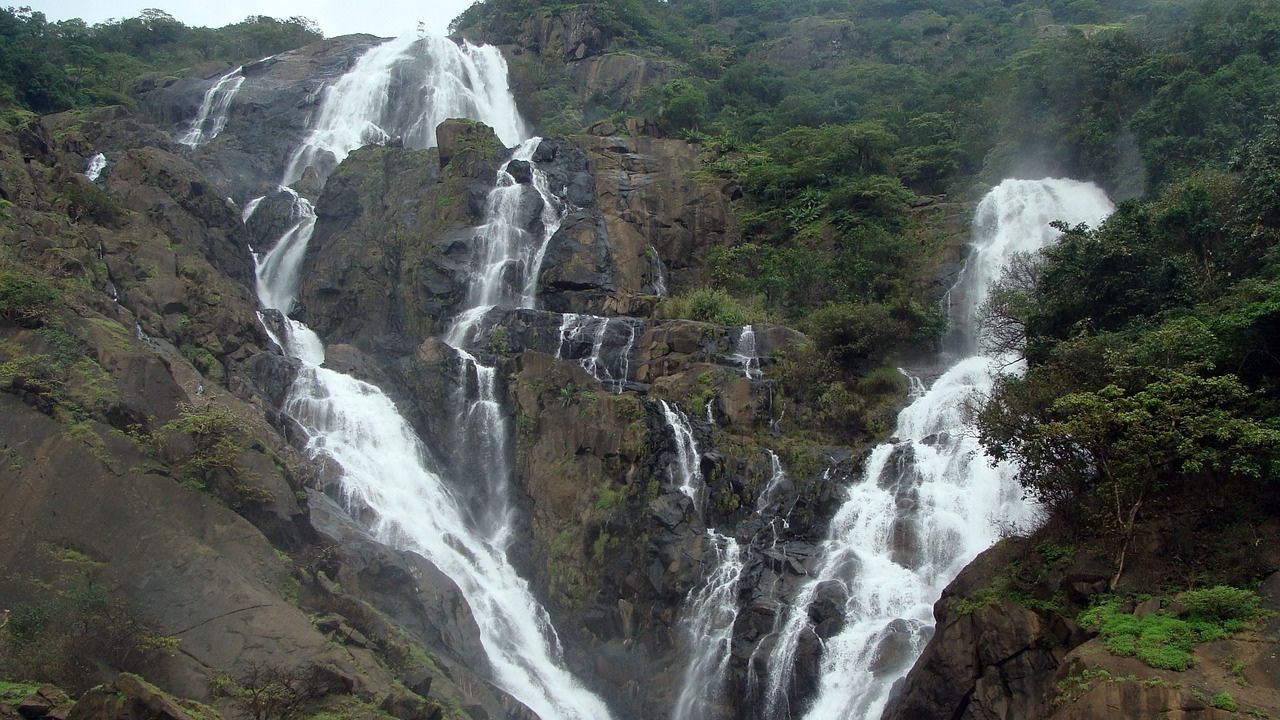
(162, 494)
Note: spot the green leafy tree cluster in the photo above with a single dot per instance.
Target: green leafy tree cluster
(52, 66)
(1151, 371)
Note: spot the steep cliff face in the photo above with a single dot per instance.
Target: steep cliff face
(156, 494)
(1009, 642)
(642, 450)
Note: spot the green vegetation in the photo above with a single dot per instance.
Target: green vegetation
(1224, 701)
(25, 299)
(201, 441)
(73, 629)
(834, 117)
(48, 67)
(1165, 640)
(1151, 375)
(12, 693)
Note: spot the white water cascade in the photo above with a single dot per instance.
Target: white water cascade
(745, 354)
(212, 116)
(385, 466)
(403, 89)
(96, 165)
(928, 502)
(613, 372)
(708, 617)
(277, 270)
(687, 472)
(777, 478)
(387, 469)
(711, 609)
(511, 253)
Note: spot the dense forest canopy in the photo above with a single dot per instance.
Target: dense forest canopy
(51, 66)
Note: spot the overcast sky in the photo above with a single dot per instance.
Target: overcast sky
(335, 17)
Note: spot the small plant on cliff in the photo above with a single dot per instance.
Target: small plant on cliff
(203, 441)
(25, 299)
(1165, 640)
(1224, 701)
(273, 692)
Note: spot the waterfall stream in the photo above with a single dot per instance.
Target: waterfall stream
(745, 354)
(520, 219)
(403, 89)
(211, 118)
(385, 466)
(711, 608)
(96, 165)
(592, 332)
(708, 617)
(928, 502)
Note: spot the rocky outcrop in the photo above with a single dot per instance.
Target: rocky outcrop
(1007, 646)
(268, 118)
(648, 233)
(394, 240)
(574, 44)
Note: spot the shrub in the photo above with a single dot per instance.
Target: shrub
(25, 299)
(711, 305)
(216, 441)
(1164, 641)
(1224, 701)
(1222, 603)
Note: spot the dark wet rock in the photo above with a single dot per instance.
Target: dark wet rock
(521, 171)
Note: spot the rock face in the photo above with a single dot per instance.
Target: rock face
(1018, 652)
(152, 470)
(268, 117)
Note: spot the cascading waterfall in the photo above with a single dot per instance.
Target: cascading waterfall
(96, 165)
(711, 608)
(385, 466)
(213, 109)
(659, 272)
(777, 477)
(612, 373)
(927, 501)
(403, 89)
(277, 271)
(510, 253)
(387, 469)
(687, 472)
(708, 618)
(481, 447)
(250, 208)
(745, 354)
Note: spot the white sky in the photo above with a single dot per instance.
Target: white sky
(335, 17)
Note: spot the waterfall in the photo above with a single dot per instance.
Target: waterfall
(711, 608)
(777, 478)
(250, 208)
(927, 502)
(513, 243)
(480, 447)
(96, 165)
(574, 329)
(687, 472)
(745, 353)
(658, 271)
(213, 109)
(709, 615)
(278, 270)
(403, 89)
(386, 468)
